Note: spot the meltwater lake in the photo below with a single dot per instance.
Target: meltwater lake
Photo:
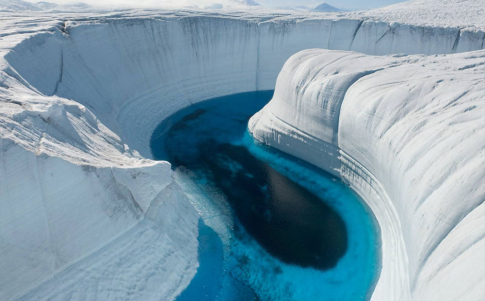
(272, 227)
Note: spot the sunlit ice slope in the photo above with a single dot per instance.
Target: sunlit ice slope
(408, 134)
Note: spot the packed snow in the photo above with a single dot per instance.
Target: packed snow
(81, 93)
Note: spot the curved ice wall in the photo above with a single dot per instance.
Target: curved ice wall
(82, 99)
(120, 68)
(408, 134)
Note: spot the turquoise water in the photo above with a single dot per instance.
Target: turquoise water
(272, 226)
(210, 267)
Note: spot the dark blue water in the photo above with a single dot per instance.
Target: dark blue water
(290, 240)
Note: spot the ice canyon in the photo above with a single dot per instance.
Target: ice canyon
(390, 101)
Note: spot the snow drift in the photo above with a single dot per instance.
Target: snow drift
(80, 97)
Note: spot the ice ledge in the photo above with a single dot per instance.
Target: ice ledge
(410, 142)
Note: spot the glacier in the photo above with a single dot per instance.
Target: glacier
(82, 200)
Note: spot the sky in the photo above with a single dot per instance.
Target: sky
(343, 4)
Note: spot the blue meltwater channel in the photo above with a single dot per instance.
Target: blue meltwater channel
(272, 227)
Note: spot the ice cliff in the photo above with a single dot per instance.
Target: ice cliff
(408, 134)
(82, 204)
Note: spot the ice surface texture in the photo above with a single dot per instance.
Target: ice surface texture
(76, 90)
(408, 134)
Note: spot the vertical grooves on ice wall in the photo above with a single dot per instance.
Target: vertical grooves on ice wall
(329, 35)
(61, 72)
(258, 55)
(457, 40)
(355, 33)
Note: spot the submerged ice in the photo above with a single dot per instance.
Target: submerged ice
(296, 233)
(290, 222)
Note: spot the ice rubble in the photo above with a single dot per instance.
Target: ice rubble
(408, 134)
(76, 90)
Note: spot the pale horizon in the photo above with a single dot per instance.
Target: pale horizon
(342, 4)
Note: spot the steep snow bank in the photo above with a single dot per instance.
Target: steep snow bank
(407, 133)
(79, 94)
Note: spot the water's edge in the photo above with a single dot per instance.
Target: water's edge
(297, 171)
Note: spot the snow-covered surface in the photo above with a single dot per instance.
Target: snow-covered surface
(22, 6)
(408, 133)
(442, 13)
(80, 95)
